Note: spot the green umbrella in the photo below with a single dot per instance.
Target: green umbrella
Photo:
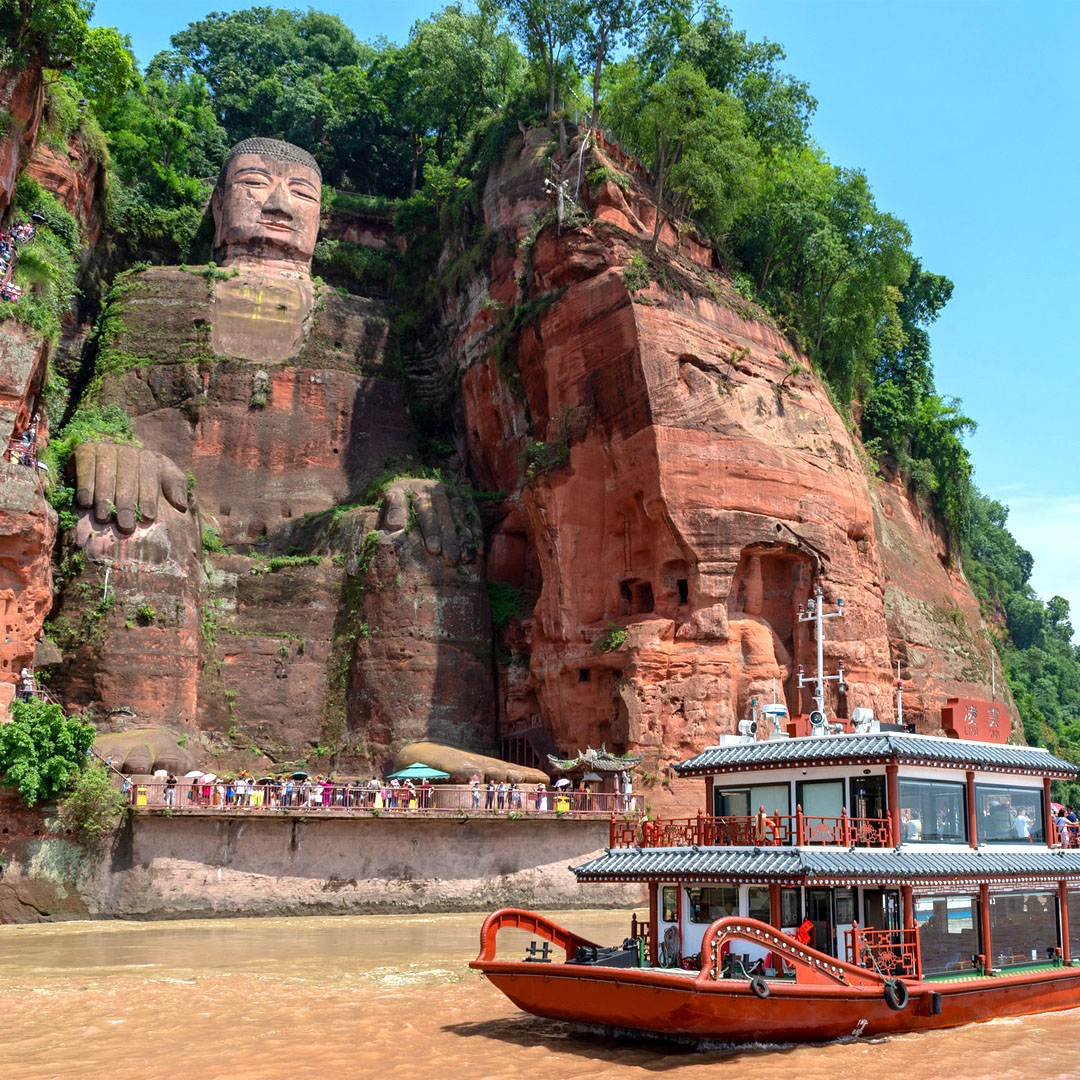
(419, 771)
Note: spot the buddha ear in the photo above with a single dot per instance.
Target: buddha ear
(215, 209)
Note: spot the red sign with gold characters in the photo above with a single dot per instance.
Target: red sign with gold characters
(970, 718)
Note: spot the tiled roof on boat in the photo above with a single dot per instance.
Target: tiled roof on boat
(688, 863)
(887, 746)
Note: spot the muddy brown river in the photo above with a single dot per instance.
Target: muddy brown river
(381, 997)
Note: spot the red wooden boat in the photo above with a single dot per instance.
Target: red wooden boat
(929, 872)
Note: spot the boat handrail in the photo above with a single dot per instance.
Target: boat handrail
(810, 965)
(519, 919)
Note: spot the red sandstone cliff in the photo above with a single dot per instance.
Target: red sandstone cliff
(690, 483)
(673, 471)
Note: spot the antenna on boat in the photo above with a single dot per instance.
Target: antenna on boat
(815, 613)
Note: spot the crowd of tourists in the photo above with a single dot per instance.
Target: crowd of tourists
(323, 793)
(22, 449)
(21, 232)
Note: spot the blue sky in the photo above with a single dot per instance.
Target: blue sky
(963, 114)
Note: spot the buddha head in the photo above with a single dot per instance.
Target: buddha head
(266, 205)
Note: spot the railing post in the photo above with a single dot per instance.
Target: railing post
(845, 827)
(800, 830)
(611, 830)
(1063, 904)
(700, 828)
(1048, 817)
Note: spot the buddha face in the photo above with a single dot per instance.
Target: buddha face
(267, 211)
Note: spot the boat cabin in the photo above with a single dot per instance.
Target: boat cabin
(919, 856)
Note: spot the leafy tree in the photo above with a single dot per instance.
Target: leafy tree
(689, 135)
(50, 32)
(42, 750)
(550, 30)
(164, 139)
(105, 67)
(94, 806)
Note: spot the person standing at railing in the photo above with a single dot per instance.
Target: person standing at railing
(26, 684)
(628, 791)
(170, 790)
(474, 787)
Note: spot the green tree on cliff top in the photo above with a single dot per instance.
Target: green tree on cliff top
(42, 751)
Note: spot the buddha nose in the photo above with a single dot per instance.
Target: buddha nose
(278, 202)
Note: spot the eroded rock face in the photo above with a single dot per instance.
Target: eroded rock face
(695, 484)
(77, 179)
(27, 522)
(22, 96)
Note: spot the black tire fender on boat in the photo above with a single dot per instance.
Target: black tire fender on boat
(896, 995)
(760, 987)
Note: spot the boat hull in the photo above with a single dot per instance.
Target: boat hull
(666, 1004)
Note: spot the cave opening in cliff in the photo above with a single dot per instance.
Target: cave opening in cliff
(636, 596)
(770, 582)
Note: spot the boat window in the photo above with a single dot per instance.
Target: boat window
(791, 912)
(844, 900)
(708, 902)
(746, 801)
(1074, 923)
(757, 903)
(821, 798)
(1023, 928)
(932, 812)
(948, 933)
(671, 903)
(1009, 814)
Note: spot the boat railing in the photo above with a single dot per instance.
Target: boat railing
(530, 922)
(892, 953)
(761, 830)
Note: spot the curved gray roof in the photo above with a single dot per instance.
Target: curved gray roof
(891, 746)
(651, 864)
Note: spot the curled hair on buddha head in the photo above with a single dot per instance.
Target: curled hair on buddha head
(274, 149)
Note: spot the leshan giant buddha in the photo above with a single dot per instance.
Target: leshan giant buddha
(260, 400)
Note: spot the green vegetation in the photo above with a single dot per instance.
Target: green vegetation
(146, 614)
(212, 542)
(46, 268)
(42, 751)
(505, 603)
(614, 638)
(94, 806)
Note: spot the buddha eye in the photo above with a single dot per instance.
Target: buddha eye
(302, 193)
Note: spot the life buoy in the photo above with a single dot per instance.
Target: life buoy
(896, 995)
(760, 987)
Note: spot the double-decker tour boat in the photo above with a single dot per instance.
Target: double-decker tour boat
(857, 879)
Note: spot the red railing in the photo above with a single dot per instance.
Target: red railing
(454, 799)
(892, 953)
(761, 830)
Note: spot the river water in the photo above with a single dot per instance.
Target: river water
(380, 997)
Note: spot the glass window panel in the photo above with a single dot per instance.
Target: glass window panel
(709, 902)
(821, 798)
(948, 933)
(671, 903)
(1074, 924)
(1023, 928)
(757, 903)
(932, 812)
(744, 802)
(791, 908)
(844, 899)
(1005, 814)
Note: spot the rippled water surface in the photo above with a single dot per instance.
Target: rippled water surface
(344, 997)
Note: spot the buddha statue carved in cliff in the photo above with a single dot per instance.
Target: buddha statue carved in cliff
(260, 400)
